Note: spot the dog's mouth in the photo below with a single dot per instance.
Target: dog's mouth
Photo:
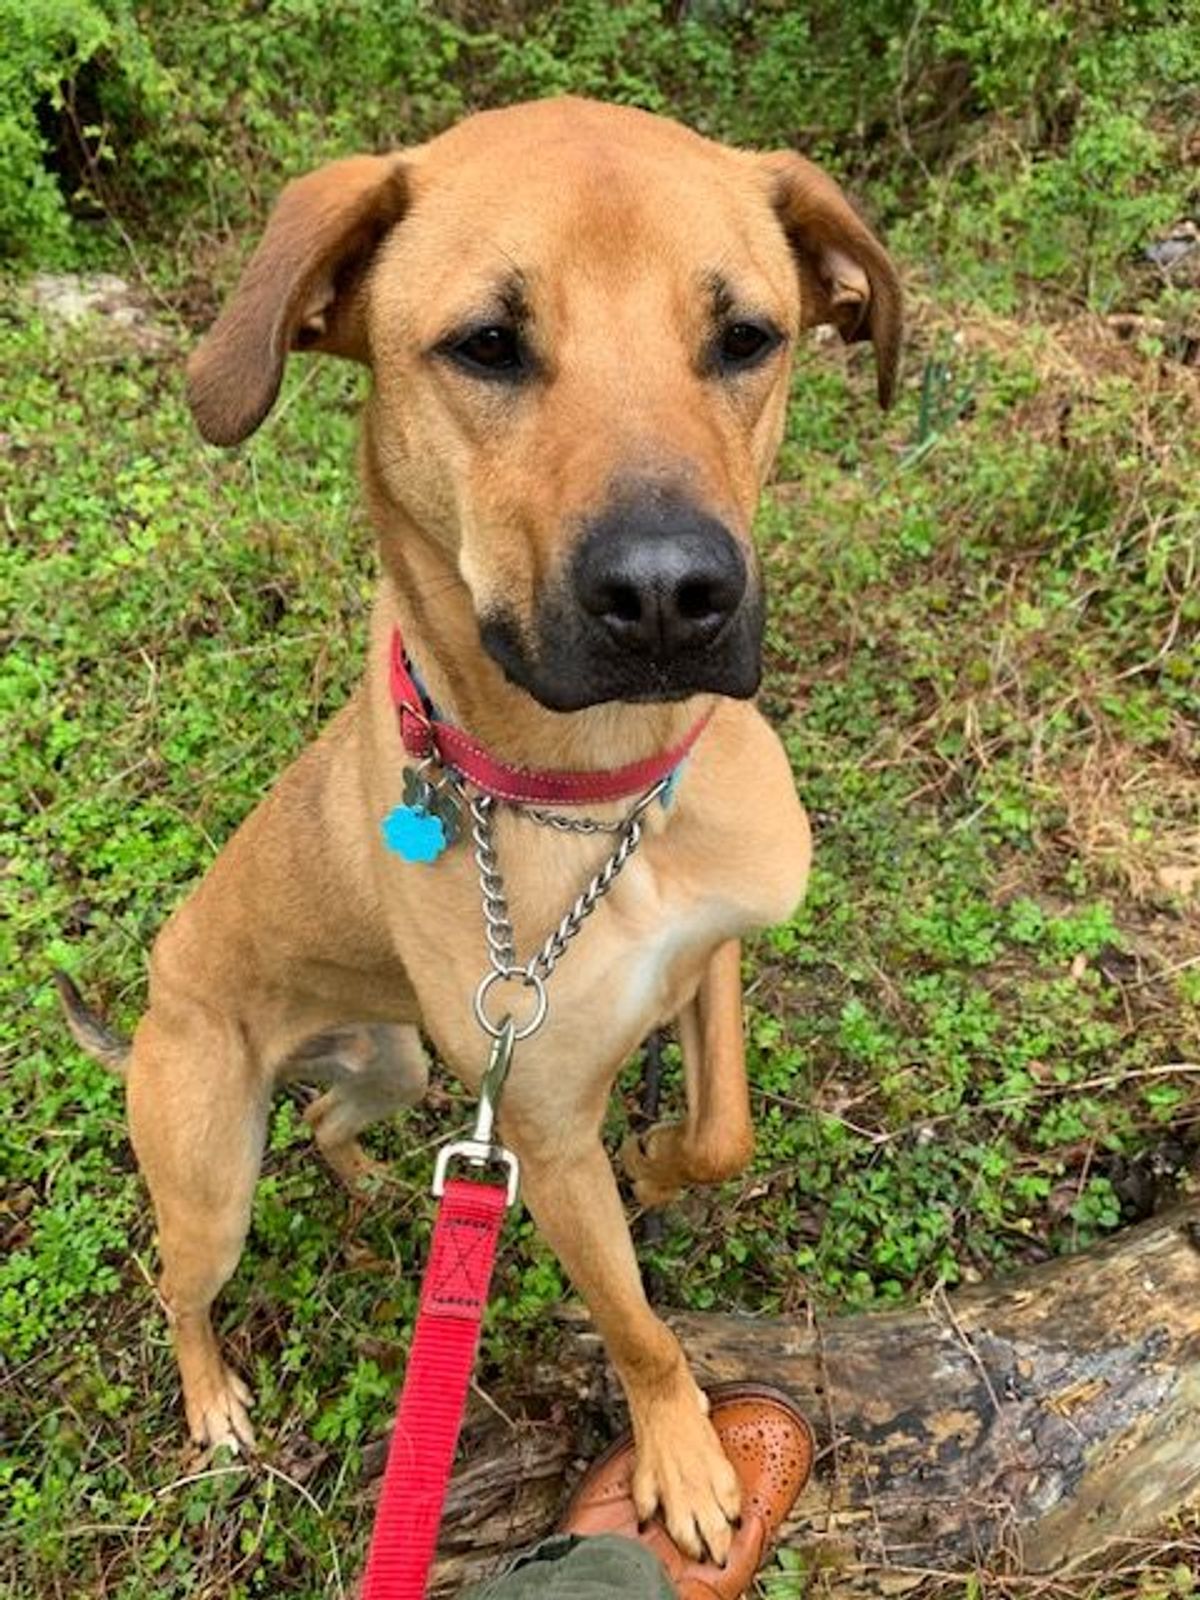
(575, 663)
(657, 600)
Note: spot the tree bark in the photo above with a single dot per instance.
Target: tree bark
(1018, 1426)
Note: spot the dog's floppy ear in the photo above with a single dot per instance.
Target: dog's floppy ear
(846, 276)
(299, 291)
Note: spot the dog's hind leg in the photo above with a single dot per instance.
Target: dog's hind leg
(716, 1140)
(372, 1072)
(198, 1113)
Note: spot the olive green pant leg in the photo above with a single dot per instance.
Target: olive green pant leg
(565, 1567)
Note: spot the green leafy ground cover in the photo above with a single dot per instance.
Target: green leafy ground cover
(976, 1045)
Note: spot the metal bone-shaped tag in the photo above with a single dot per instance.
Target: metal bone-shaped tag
(436, 797)
(448, 812)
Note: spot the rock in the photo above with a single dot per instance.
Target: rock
(73, 298)
(1180, 242)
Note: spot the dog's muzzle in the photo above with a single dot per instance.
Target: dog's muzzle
(658, 602)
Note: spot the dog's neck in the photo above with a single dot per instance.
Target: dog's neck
(423, 593)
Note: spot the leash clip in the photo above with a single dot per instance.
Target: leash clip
(481, 1148)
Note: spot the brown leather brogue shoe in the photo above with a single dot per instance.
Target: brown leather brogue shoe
(771, 1448)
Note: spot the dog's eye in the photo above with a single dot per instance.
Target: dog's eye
(494, 349)
(744, 344)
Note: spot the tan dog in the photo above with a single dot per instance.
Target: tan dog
(579, 321)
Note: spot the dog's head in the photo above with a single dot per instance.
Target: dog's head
(579, 320)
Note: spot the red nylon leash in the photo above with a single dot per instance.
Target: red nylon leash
(453, 1297)
(423, 735)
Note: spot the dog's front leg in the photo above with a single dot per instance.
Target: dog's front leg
(572, 1194)
(716, 1140)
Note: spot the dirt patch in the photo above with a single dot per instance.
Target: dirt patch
(1078, 353)
(1137, 817)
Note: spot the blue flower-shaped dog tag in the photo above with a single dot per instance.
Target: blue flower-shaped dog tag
(414, 833)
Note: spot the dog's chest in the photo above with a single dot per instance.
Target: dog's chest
(709, 868)
(630, 964)
(659, 929)
(635, 963)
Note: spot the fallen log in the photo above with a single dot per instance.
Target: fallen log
(1017, 1426)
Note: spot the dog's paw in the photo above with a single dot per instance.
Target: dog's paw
(217, 1412)
(683, 1473)
(651, 1163)
(358, 1172)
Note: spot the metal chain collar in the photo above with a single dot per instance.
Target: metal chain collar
(565, 824)
(497, 920)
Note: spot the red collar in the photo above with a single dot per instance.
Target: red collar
(424, 734)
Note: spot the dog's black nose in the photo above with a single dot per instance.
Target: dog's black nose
(660, 578)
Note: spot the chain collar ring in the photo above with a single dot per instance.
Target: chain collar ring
(530, 980)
